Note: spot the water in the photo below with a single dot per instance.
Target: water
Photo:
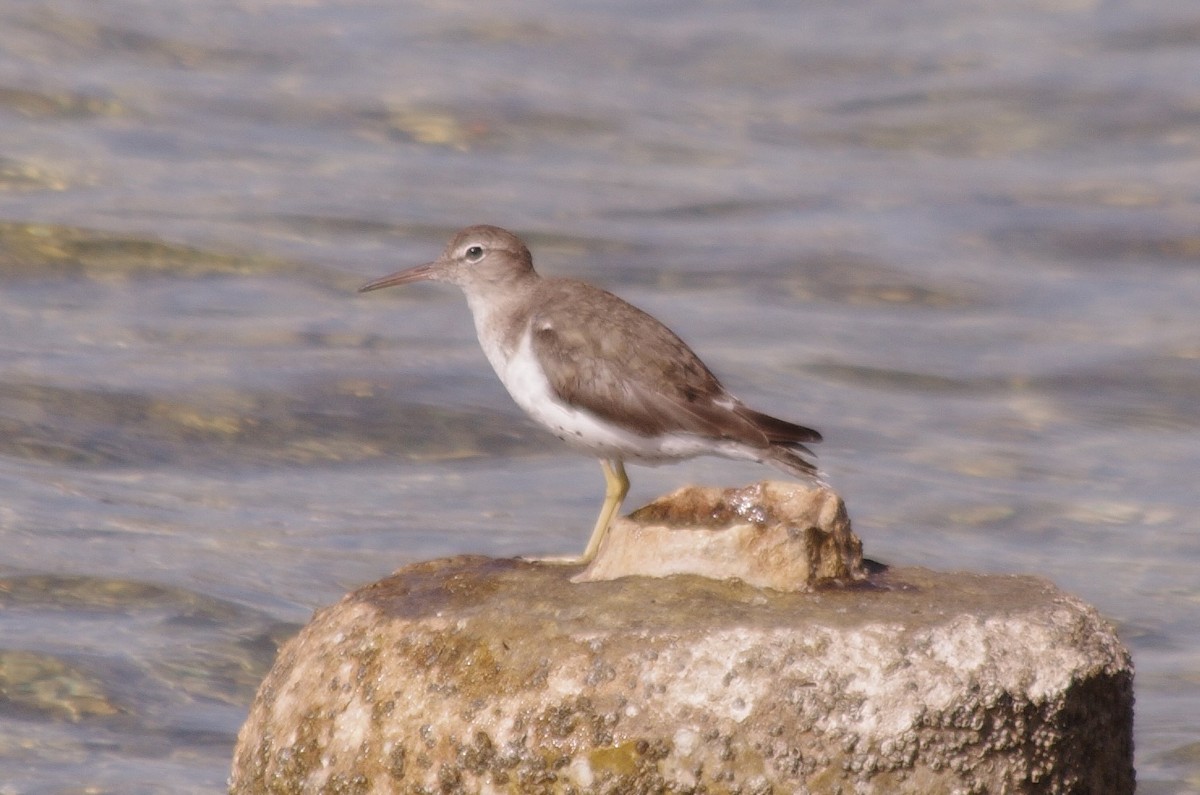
(958, 238)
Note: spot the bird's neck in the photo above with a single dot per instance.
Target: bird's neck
(501, 313)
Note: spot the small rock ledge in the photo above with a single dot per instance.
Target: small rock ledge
(504, 676)
(771, 535)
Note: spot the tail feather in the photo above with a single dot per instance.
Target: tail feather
(787, 443)
(784, 459)
(780, 431)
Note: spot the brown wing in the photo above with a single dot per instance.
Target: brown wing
(662, 386)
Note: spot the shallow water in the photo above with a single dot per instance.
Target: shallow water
(959, 238)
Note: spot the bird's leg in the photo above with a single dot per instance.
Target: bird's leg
(616, 486)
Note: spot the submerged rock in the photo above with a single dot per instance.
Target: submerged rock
(478, 675)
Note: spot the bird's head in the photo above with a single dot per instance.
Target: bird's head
(476, 257)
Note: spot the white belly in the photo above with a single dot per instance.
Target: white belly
(525, 381)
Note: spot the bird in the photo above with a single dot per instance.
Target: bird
(603, 376)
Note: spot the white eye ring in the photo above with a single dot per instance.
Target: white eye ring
(473, 253)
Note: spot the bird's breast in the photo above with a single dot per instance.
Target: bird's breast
(526, 381)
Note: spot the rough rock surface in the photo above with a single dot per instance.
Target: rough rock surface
(479, 675)
(785, 536)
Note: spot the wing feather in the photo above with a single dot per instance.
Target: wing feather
(662, 386)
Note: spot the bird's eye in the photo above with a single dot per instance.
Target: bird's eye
(475, 253)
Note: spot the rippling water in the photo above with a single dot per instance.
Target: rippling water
(959, 238)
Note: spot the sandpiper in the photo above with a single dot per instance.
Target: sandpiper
(599, 373)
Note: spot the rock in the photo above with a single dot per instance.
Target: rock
(785, 536)
(502, 676)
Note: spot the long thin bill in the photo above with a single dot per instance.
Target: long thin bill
(416, 274)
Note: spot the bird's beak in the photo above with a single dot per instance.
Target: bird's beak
(427, 271)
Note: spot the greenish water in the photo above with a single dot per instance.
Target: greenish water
(958, 238)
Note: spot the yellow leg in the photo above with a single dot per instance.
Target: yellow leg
(616, 486)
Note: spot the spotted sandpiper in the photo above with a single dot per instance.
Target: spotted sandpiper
(599, 373)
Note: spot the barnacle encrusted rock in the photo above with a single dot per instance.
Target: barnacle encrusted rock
(506, 676)
(786, 536)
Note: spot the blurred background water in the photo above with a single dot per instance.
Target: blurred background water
(960, 238)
